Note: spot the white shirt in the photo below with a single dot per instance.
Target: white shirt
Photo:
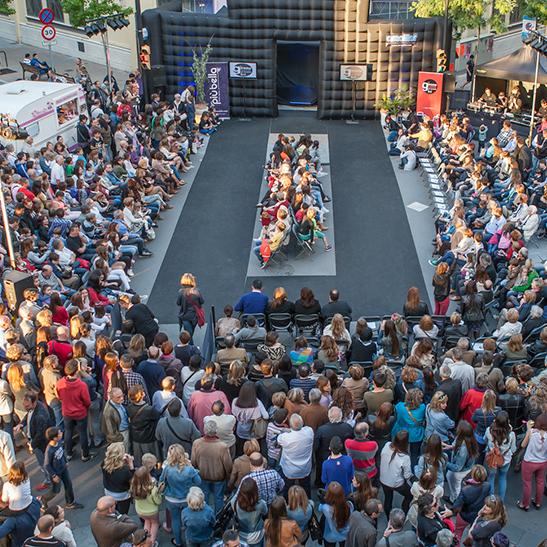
(7, 453)
(410, 156)
(17, 497)
(296, 456)
(57, 174)
(536, 451)
(225, 427)
(394, 471)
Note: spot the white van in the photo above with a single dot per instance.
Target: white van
(42, 110)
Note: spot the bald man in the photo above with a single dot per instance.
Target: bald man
(109, 528)
(44, 536)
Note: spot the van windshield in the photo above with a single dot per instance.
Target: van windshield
(66, 112)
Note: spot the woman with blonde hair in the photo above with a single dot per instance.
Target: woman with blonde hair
(178, 475)
(235, 379)
(137, 348)
(300, 509)
(19, 385)
(198, 519)
(437, 420)
(337, 329)
(295, 401)
(118, 469)
(190, 303)
(329, 352)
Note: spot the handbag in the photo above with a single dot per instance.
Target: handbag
(259, 428)
(494, 458)
(200, 314)
(315, 529)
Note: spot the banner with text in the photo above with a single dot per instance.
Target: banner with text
(217, 90)
(430, 93)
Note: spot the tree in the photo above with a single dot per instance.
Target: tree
(199, 68)
(468, 14)
(535, 8)
(5, 7)
(82, 11)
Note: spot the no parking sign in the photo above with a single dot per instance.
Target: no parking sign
(46, 16)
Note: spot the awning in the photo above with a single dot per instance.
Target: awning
(519, 65)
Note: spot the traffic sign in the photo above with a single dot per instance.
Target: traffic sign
(46, 16)
(49, 43)
(48, 32)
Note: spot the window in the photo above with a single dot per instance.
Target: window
(33, 129)
(33, 7)
(66, 112)
(55, 5)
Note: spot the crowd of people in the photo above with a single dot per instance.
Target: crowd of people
(309, 432)
(294, 203)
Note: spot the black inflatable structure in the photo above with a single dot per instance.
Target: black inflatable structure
(250, 30)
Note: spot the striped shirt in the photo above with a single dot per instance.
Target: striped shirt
(363, 453)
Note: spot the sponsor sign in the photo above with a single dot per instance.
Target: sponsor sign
(243, 70)
(217, 90)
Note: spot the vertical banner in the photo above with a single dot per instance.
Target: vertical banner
(217, 91)
(430, 93)
(528, 24)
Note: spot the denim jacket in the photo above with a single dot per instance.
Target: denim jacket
(438, 422)
(178, 481)
(460, 460)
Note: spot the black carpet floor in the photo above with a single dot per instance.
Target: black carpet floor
(376, 260)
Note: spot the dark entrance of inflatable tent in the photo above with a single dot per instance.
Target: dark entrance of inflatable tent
(297, 73)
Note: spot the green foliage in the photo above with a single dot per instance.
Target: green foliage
(535, 8)
(468, 14)
(402, 99)
(199, 68)
(82, 11)
(5, 7)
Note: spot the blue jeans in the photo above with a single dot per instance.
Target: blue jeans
(215, 489)
(501, 472)
(56, 408)
(176, 521)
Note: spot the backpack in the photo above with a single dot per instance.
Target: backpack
(494, 458)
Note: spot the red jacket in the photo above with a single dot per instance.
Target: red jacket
(363, 454)
(63, 350)
(471, 400)
(74, 396)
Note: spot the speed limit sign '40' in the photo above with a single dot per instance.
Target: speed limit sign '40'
(48, 32)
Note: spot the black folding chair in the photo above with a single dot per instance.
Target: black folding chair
(307, 325)
(281, 322)
(260, 319)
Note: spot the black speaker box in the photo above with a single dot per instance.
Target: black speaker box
(14, 285)
(459, 99)
(449, 83)
(158, 76)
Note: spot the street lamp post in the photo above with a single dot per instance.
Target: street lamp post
(7, 231)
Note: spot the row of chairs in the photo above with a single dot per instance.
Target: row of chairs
(432, 169)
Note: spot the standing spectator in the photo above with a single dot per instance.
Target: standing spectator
(362, 451)
(75, 403)
(199, 405)
(141, 317)
(118, 469)
(436, 419)
(34, 427)
(269, 384)
(315, 414)
(500, 441)
(300, 509)
(179, 476)
(143, 420)
(115, 421)
(535, 461)
(491, 519)
(453, 389)
(362, 525)
(152, 372)
(148, 497)
(174, 428)
(472, 399)
(462, 458)
(410, 416)
(212, 457)
(108, 527)
(190, 302)
(296, 454)
(44, 536)
(249, 413)
(250, 512)
(395, 470)
(226, 424)
(279, 530)
(338, 467)
(268, 481)
(336, 511)
(61, 529)
(198, 519)
(395, 535)
(56, 465)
